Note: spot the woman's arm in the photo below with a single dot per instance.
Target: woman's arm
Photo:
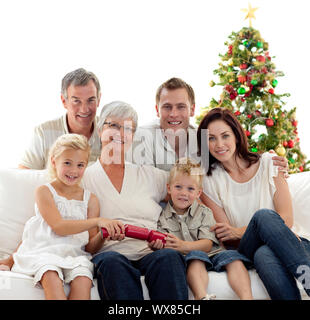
(223, 230)
(282, 199)
(115, 228)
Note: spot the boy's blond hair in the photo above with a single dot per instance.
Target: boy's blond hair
(65, 142)
(188, 167)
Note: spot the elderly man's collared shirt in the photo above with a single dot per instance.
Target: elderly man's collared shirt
(194, 225)
(44, 136)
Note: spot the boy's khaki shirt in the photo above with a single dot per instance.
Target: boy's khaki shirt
(194, 225)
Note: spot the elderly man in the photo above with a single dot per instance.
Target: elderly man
(80, 95)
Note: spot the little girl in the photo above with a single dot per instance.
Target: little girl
(66, 222)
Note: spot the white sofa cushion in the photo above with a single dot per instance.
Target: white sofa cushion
(17, 206)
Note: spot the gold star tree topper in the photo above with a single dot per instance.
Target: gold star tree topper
(250, 13)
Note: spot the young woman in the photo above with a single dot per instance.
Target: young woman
(252, 205)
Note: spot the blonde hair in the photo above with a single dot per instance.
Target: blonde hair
(65, 142)
(188, 167)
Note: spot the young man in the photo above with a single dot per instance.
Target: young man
(80, 95)
(161, 143)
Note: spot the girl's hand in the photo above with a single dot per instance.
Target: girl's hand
(224, 232)
(115, 228)
(156, 244)
(175, 243)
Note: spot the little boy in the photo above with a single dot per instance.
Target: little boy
(187, 224)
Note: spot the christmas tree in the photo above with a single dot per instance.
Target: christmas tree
(249, 79)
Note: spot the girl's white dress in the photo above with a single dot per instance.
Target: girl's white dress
(41, 246)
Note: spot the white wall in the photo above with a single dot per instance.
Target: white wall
(133, 46)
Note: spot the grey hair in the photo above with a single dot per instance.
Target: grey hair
(120, 110)
(79, 77)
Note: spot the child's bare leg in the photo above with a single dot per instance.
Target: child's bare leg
(53, 286)
(80, 288)
(239, 279)
(197, 278)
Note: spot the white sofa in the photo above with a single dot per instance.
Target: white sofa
(17, 206)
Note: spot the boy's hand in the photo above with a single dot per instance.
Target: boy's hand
(156, 244)
(115, 228)
(175, 243)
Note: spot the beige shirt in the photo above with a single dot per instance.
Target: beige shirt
(137, 203)
(194, 225)
(36, 155)
(151, 147)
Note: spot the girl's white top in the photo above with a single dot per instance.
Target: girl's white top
(42, 246)
(241, 200)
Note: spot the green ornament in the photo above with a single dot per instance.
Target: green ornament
(254, 82)
(291, 160)
(259, 44)
(245, 43)
(241, 90)
(274, 83)
(254, 150)
(230, 69)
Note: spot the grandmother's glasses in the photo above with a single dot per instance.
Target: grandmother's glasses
(116, 126)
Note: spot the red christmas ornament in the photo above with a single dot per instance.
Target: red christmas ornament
(264, 70)
(237, 113)
(230, 47)
(294, 123)
(241, 78)
(284, 144)
(243, 66)
(290, 143)
(269, 123)
(249, 116)
(271, 91)
(301, 168)
(247, 133)
(261, 58)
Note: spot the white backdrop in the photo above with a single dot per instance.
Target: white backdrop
(133, 46)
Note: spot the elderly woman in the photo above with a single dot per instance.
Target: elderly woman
(130, 194)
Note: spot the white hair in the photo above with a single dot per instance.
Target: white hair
(120, 110)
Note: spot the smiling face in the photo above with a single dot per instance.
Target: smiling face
(222, 141)
(183, 190)
(81, 104)
(116, 138)
(70, 166)
(174, 109)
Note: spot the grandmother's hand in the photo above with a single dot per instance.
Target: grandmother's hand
(225, 232)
